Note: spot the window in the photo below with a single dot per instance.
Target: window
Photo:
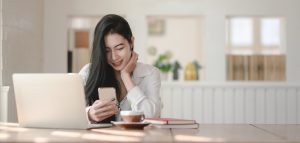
(242, 32)
(255, 48)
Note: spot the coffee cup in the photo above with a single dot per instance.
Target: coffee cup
(132, 116)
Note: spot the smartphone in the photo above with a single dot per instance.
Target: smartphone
(107, 93)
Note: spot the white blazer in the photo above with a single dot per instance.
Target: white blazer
(145, 96)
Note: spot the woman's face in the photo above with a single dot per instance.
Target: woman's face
(118, 51)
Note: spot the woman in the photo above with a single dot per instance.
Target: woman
(114, 64)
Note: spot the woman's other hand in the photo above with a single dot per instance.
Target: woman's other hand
(129, 68)
(101, 110)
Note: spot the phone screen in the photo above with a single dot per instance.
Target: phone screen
(107, 93)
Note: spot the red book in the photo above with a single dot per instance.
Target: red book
(175, 126)
(169, 121)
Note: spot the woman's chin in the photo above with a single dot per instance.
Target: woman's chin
(117, 68)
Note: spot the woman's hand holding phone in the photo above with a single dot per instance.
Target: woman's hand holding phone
(106, 106)
(101, 110)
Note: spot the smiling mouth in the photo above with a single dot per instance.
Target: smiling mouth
(117, 63)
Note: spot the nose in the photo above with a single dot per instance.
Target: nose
(113, 55)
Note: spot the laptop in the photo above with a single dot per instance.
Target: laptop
(51, 101)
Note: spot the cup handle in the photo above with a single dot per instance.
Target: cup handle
(143, 118)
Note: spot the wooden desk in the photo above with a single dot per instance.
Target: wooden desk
(287, 132)
(206, 133)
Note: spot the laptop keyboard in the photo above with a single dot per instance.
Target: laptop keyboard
(93, 126)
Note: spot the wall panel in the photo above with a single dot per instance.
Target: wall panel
(232, 103)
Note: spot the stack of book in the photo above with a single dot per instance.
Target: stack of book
(172, 123)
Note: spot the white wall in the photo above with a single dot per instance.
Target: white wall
(22, 42)
(135, 11)
(184, 43)
(0, 56)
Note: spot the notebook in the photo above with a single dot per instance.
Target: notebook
(175, 126)
(169, 121)
(172, 123)
(51, 101)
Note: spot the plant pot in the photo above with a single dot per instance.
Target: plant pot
(164, 76)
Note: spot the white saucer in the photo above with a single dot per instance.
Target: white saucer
(130, 125)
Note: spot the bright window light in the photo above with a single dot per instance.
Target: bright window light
(241, 30)
(270, 31)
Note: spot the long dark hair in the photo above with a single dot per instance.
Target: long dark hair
(101, 74)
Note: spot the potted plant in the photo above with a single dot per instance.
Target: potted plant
(164, 65)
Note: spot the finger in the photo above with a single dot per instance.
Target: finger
(112, 103)
(135, 55)
(96, 102)
(99, 117)
(106, 114)
(108, 108)
(134, 59)
(101, 104)
(102, 117)
(105, 109)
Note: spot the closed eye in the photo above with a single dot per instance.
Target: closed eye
(121, 48)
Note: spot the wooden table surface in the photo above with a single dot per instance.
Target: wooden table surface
(10, 132)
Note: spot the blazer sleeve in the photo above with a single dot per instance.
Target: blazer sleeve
(147, 100)
(84, 73)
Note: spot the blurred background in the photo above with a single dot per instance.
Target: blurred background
(209, 44)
